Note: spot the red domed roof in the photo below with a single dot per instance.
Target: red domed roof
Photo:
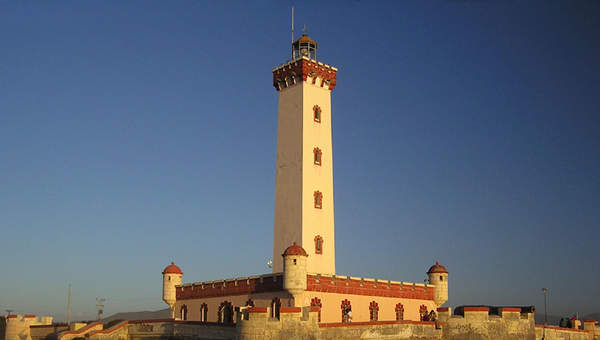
(294, 249)
(172, 269)
(437, 268)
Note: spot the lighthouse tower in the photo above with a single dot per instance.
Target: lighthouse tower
(304, 170)
(171, 278)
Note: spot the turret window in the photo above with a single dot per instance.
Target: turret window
(318, 200)
(441, 278)
(318, 244)
(317, 156)
(317, 113)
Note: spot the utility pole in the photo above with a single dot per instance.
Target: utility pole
(69, 306)
(545, 290)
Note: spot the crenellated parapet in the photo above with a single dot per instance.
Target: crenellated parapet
(306, 70)
(231, 287)
(368, 286)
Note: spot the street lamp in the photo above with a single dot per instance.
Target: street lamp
(545, 290)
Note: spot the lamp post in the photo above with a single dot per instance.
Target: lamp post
(545, 290)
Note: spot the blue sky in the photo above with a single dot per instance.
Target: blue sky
(137, 133)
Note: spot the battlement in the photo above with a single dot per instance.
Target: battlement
(368, 286)
(229, 287)
(306, 70)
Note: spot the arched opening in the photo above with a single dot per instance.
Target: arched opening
(318, 244)
(275, 308)
(204, 312)
(225, 313)
(317, 153)
(346, 311)
(423, 312)
(317, 113)
(183, 312)
(318, 199)
(399, 312)
(316, 302)
(373, 311)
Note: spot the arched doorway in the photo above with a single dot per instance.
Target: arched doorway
(225, 313)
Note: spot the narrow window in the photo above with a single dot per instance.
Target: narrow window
(317, 113)
(183, 312)
(317, 156)
(423, 312)
(318, 200)
(346, 311)
(441, 278)
(318, 244)
(373, 311)
(204, 312)
(316, 302)
(399, 312)
(275, 307)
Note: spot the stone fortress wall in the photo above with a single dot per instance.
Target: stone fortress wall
(326, 291)
(475, 323)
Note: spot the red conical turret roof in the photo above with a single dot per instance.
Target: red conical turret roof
(437, 268)
(172, 269)
(294, 249)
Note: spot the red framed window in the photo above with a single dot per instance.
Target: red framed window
(318, 200)
(316, 302)
(317, 113)
(423, 312)
(399, 312)
(317, 156)
(373, 311)
(318, 244)
(346, 311)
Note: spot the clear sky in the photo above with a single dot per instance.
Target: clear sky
(140, 132)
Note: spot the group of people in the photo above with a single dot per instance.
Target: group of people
(431, 316)
(569, 322)
(347, 314)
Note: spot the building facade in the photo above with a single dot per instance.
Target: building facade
(304, 238)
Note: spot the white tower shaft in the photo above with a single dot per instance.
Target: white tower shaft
(304, 86)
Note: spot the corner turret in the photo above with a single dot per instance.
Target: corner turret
(294, 271)
(171, 278)
(438, 276)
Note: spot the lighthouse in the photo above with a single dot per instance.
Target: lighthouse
(304, 211)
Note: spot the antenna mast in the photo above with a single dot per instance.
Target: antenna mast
(292, 33)
(69, 305)
(100, 307)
